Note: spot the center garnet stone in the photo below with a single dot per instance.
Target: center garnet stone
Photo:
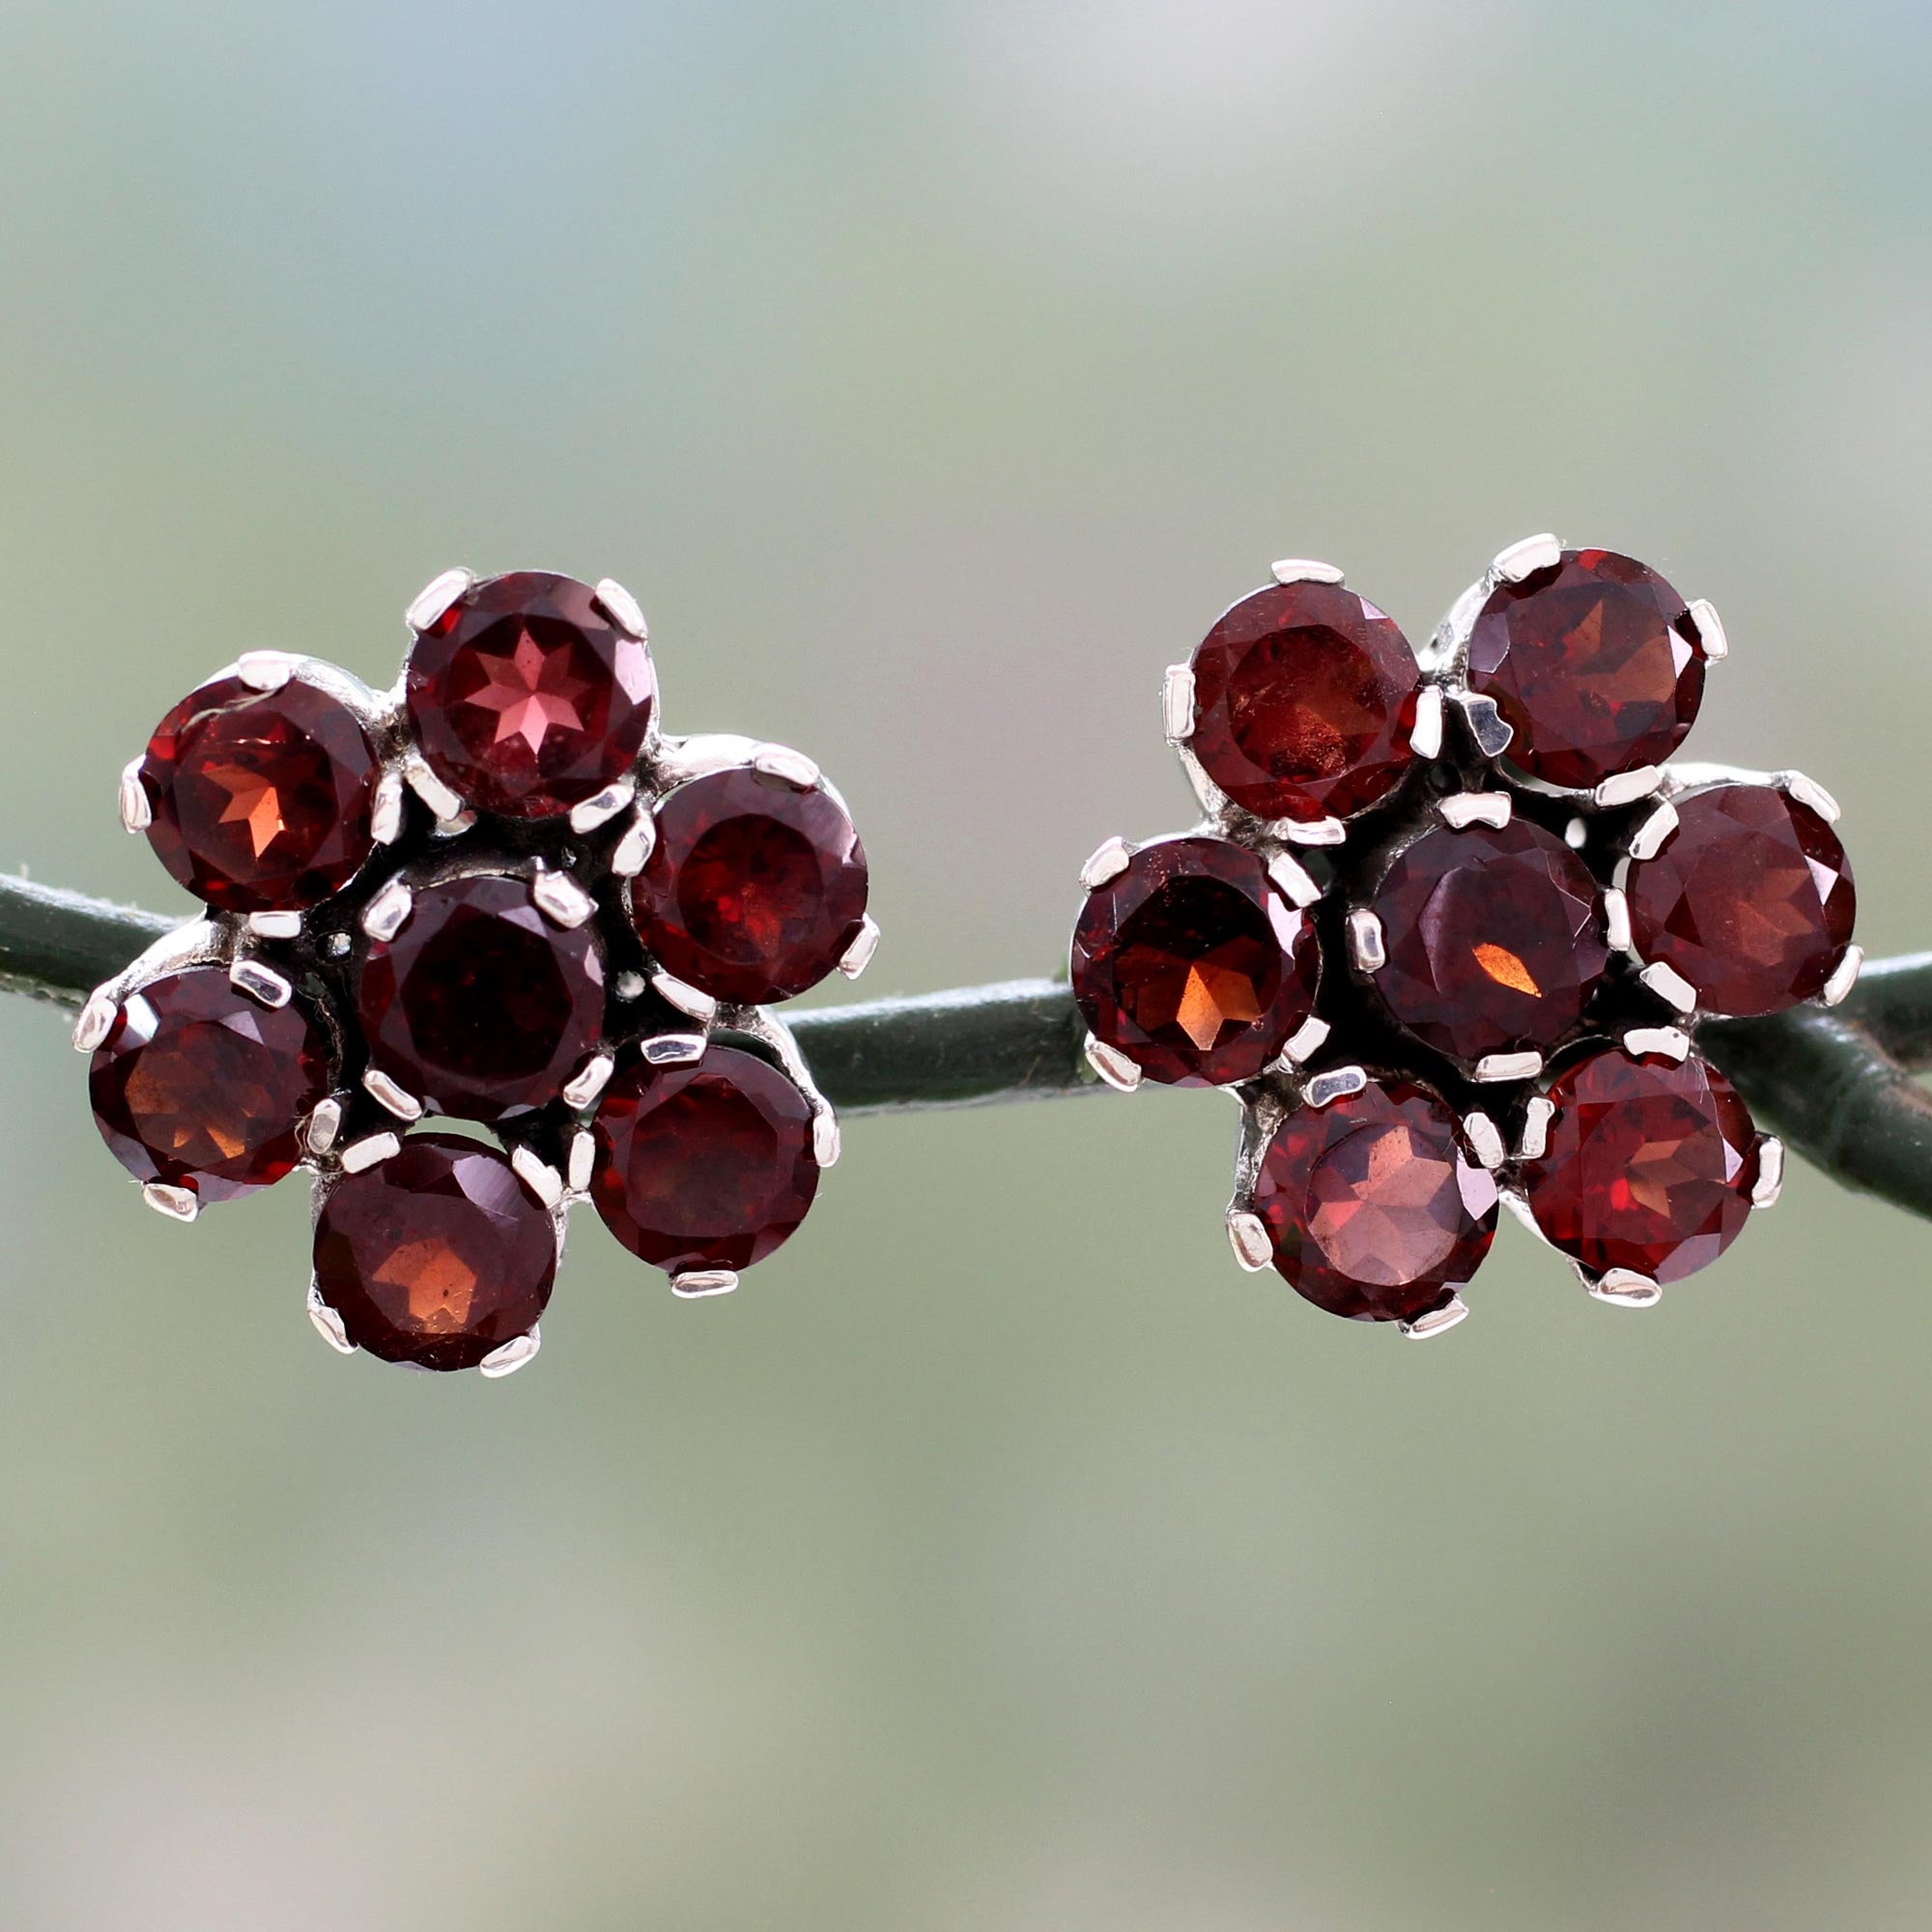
(479, 1007)
(1375, 1209)
(437, 1256)
(526, 696)
(1304, 697)
(1493, 940)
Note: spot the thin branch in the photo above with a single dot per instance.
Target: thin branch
(1838, 1086)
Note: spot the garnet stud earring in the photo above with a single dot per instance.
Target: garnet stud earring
(497, 892)
(1448, 927)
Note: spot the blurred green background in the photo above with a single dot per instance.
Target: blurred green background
(999, 1557)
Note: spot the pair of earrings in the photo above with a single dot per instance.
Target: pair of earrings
(1441, 932)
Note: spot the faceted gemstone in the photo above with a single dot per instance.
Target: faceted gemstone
(437, 1256)
(753, 890)
(1304, 697)
(1376, 1210)
(1751, 899)
(479, 1006)
(1493, 938)
(197, 1086)
(1192, 964)
(1594, 665)
(1648, 1165)
(260, 800)
(707, 1165)
(526, 697)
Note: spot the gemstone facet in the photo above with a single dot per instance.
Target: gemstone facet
(703, 1166)
(1594, 665)
(526, 697)
(1375, 1208)
(1304, 699)
(260, 800)
(1749, 900)
(197, 1086)
(437, 1256)
(1192, 964)
(754, 887)
(479, 1006)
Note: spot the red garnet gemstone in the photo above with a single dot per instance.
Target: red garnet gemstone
(260, 800)
(1375, 1208)
(1192, 964)
(1593, 664)
(753, 890)
(437, 1256)
(479, 1006)
(703, 1166)
(1648, 1165)
(197, 1086)
(526, 696)
(1493, 940)
(1304, 697)
(1751, 899)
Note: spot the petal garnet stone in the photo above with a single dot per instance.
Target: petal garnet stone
(1493, 940)
(703, 1166)
(1594, 665)
(1648, 1165)
(1304, 697)
(260, 801)
(1192, 964)
(437, 1256)
(526, 696)
(1749, 900)
(199, 1087)
(755, 888)
(479, 1006)
(1375, 1208)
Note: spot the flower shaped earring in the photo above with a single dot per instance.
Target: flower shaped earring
(498, 893)
(1448, 927)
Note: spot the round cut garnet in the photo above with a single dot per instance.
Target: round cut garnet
(703, 1166)
(1493, 940)
(437, 1256)
(260, 801)
(479, 1007)
(199, 1087)
(526, 696)
(1304, 697)
(755, 888)
(1594, 666)
(1648, 1165)
(1192, 964)
(1751, 899)
(1375, 1208)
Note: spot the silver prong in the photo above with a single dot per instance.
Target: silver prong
(561, 899)
(436, 597)
(275, 924)
(1367, 953)
(623, 607)
(1525, 1066)
(384, 916)
(1307, 1038)
(1293, 879)
(688, 1000)
(1425, 735)
(1709, 629)
(1627, 788)
(1176, 704)
(519, 1352)
(1534, 1141)
(327, 1323)
(431, 789)
(178, 1204)
(1808, 791)
(538, 1175)
(385, 816)
(1112, 1066)
(694, 1284)
(265, 670)
(788, 767)
(859, 954)
(1616, 920)
(825, 1141)
(633, 850)
(1107, 862)
(1336, 1084)
(94, 1024)
(368, 1151)
(260, 983)
(583, 1159)
(604, 807)
(590, 1081)
(1248, 1236)
(389, 1096)
(1525, 558)
(1304, 570)
(1314, 830)
(673, 1049)
(1647, 840)
(1487, 725)
(1437, 1322)
(1485, 1140)
(1770, 1181)
(1844, 976)
(1622, 1287)
(136, 812)
(1668, 1041)
(1462, 809)
(324, 1122)
(1671, 985)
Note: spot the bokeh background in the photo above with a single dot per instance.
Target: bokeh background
(999, 1557)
